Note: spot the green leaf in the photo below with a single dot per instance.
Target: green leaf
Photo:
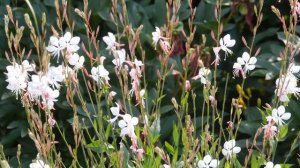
(125, 153)
(264, 34)
(169, 148)
(286, 165)
(159, 12)
(254, 161)
(166, 108)
(283, 130)
(237, 164)
(155, 127)
(98, 146)
(175, 134)
(227, 165)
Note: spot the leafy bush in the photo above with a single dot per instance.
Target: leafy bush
(149, 83)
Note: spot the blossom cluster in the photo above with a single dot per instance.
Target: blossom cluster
(278, 117)
(128, 122)
(42, 87)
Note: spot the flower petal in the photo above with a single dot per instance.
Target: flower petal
(115, 110)
(122, 124)
(269, 165)
(54, 41)
(252, 60)
(75, 40)
(207, 159)
(277, 166)
(246, 56)
(250, 67)
(281, 110)
(231, 144)
(201, 164)
(240, 61)
(214, 163)
(286, 116)
(134, 121)
(275, 113)
(127, 118)
(237, 66)
(124, 131)
(224, 152)
(67, 36)
(236, 149)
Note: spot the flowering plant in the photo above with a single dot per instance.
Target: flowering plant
(166, 89)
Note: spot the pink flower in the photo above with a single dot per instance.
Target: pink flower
(269, 129)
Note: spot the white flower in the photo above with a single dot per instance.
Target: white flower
(226, 42)
(120, 56)
(279, 115)
(55, 75)
(49, 96)
(76, 61)
(71, 43)
(37, 86)
(166, 166)
(287, 84)
(26, 67)
(99, 72)
(17, 76)
(244, 64)
(203, 75)
(127, 125)
(271, 165)
(110, 41)
(208, 162)
(39, 164)
(116, 112)
(156, 36)
(56, 45)
(230, 149)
